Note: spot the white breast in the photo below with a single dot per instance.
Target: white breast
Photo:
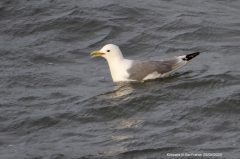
(118, 69)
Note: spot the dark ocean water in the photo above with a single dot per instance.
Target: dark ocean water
(58, 103)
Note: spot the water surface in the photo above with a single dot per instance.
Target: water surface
(57, 102)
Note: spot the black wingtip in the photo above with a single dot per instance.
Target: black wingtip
(191, 56)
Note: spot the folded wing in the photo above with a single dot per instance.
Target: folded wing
(142, 69)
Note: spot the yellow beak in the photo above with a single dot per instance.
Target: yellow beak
(96, 52)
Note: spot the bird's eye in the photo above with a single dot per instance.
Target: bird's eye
(108, 50)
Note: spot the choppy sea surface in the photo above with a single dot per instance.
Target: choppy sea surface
(58, 103)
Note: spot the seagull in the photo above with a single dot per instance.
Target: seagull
(139, 70)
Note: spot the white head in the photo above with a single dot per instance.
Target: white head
(109, 52)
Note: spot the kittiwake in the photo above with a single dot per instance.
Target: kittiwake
(139, 70)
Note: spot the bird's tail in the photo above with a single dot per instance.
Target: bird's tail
(191, 56)
(178, 62)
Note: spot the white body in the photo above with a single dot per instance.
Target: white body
(118, 69)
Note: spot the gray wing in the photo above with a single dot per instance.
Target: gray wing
(141, 69)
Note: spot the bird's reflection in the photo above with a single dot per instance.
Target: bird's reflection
(121, 92)
(127, 91)
(124, 100)
(122, 138)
